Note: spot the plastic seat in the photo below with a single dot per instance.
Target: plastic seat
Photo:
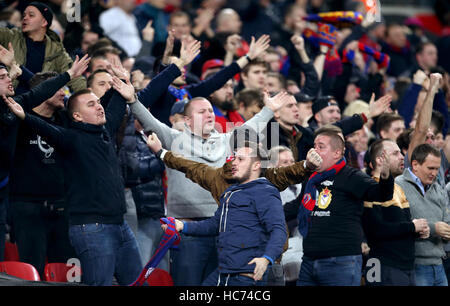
(11, 252)
(160, 277)
(57, 272)
(20, 270)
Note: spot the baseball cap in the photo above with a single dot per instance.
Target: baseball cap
(210, 64)
(178, 107)
(303, 98)
(323, 102)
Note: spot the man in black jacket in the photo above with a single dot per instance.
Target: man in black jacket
(9, 124)
(102, 240)
(36, 198)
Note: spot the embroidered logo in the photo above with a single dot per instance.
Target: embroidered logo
(324, 198)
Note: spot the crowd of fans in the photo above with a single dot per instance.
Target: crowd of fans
(85, 83)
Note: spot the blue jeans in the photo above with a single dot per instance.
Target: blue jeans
(106, 250)
(433, 275)
(223, 279)
(193, 261)
(148, 236)
(331, 271)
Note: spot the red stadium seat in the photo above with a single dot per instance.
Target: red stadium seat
(160, 277)
(20, 270)
(57, 272)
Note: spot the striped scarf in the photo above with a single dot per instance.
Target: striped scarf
(309, 198)
(170, 239)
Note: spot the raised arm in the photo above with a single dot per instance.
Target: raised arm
(312, 80)
(209, 178)
(150, 123)
(423, 120)
(48, 88)
(54, 135)
(159, 84)
(284, 177)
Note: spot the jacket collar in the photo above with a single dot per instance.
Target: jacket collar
(87, 127)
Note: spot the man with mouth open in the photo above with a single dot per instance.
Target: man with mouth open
(37, 47)
(249, 224)
(390, 230)
(104, 243)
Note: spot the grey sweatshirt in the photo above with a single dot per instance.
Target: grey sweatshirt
(186, 199)
(433, 207)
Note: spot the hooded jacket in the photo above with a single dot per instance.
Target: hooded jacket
(249, 223)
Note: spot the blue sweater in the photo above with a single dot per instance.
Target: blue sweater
(157, 96)
(249, 223)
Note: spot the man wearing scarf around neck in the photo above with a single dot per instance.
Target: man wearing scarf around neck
(330, 214)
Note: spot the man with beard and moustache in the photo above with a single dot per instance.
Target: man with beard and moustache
(389, 228)
(222, 102)
(37, 205)
(249, 224)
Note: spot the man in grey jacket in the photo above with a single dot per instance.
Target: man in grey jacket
(197, 256)
(428, 200)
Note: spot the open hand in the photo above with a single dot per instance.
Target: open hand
(379, 106)
(15, 107)
(259, 46)
(79, 66)
(261, 264)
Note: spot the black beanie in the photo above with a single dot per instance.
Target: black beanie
(45, 11)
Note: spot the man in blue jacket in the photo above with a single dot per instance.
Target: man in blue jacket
(249, 224)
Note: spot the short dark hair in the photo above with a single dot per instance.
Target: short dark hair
(255, 62)
(384, 122)
(437, 121)
(91, 77)
(422, 151)
(404, 139)
(333, 132)
(375, 151)
(250, 97)
(103, 51)
(72, 102)
(278, 76)
(40, 77)
(422, 46)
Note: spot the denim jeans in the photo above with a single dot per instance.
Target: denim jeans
(106, 250)
(221, 279)
(331, 271)
(149, 235)
(391, 276)
(41, 231)
(193, 261)
(433, 275)
(131, 214)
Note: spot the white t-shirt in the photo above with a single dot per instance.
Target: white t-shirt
(121, 27)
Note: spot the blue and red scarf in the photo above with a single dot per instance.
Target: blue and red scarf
(309, 198)
(170, 239)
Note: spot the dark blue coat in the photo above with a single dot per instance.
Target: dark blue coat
(249, 223)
